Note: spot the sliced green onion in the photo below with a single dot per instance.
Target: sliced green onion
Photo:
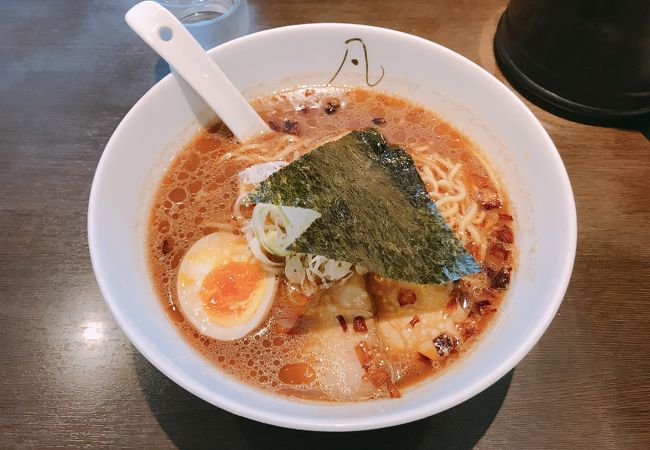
(287, 223)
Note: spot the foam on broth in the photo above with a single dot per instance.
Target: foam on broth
(198, 190)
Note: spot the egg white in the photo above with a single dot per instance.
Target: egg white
(208, 253)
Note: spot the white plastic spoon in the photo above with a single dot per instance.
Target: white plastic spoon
(169, 38)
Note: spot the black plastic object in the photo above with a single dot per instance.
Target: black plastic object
(586, 60)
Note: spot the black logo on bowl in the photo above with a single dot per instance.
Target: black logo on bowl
(355, 62)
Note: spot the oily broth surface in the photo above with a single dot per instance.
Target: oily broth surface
(198, 190)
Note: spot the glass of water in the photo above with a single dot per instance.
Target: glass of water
(211, 22)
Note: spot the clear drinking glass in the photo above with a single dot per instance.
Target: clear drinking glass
(211, 22)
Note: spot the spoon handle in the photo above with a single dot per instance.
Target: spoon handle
(169, 38)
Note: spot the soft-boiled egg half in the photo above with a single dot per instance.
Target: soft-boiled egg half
(223, 290)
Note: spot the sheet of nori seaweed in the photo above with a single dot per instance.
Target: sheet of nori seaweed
(376, 211)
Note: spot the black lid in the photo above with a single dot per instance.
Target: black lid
(587, 60)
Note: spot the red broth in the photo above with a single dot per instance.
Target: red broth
(198, 190)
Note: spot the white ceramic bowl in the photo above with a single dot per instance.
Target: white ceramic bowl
(447, 83)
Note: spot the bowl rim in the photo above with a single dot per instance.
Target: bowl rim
(158, 359)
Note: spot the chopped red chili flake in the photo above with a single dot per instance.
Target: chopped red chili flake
(363, 353)
(492, 203)
(502, 279)
(376, 371)
(483, 307)
(291, 127)
(415, 320)
(377, 375)
(392, 390)
(504, 234)
(215, 128)
(341, 320)
(274, 126)
(499, 251)
(423, 358)
(406, 297)
(445, 345)
(331, 108)
(474, 250)
(458, 297)
(359, 324)
(488, 293)
(304, 110)
(379, 121)
(166, 247)
(467, 329)
(506, 217)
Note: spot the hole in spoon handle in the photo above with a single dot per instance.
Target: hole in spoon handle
(165, 33)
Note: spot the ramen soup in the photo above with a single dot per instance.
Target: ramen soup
(304, 324)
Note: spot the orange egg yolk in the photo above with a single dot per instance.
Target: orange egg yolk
(226, 289)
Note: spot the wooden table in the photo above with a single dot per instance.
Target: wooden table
(69, 71)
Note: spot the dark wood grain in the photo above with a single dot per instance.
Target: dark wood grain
(69, 71)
